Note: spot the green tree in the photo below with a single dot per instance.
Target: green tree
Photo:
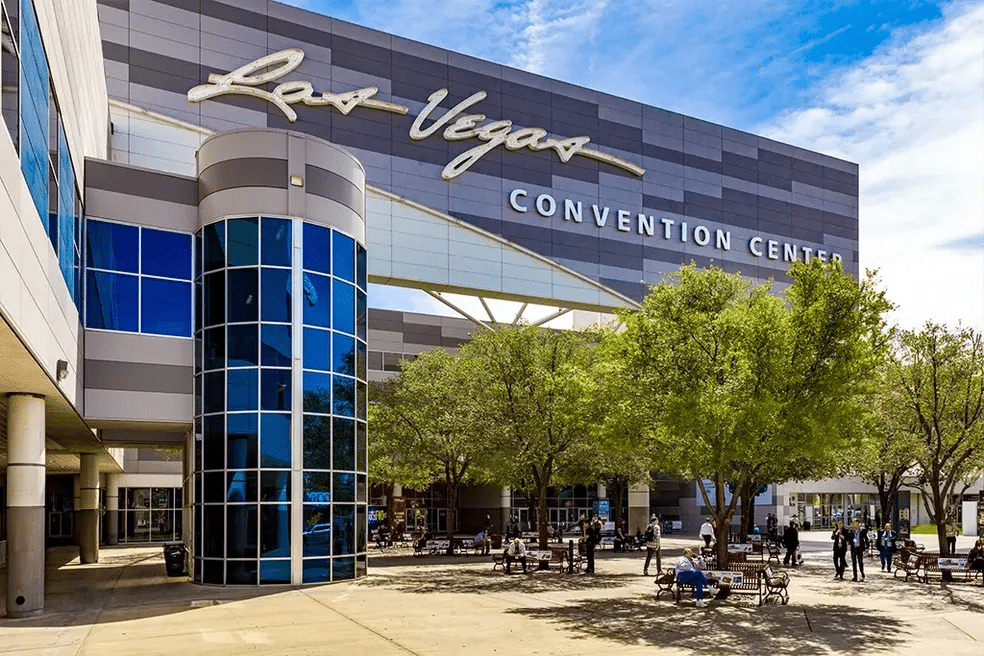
(938, 379)
(747, 387)
(429, 420)
(532, 385)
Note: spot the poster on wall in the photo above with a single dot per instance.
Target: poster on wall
(377, 517)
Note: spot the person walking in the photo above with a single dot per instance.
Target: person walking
(772, 528)
(886, 546)
(707, 532)
(839, 536)
(652, 538)
(858, 540)
(952, 530)
(688, 573)
(590, 542)
(790, 537)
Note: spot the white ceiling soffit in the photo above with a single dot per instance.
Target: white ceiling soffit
(411, 245)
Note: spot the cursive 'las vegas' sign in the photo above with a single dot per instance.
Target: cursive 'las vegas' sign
(247, 81)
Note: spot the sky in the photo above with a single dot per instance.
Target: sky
(896, 86)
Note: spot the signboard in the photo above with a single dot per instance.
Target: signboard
(377, 517)
(602, 507)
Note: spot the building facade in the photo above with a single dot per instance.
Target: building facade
(199, 194)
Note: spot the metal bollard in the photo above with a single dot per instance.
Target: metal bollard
(570, 557)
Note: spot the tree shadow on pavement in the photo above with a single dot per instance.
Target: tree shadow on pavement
(724, 628)
(474, 581)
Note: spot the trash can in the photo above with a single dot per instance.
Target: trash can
(174, 558)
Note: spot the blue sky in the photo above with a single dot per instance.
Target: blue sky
(894, 85)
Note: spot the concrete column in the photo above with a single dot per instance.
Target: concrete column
(88, 512)
(111, 525)
(638, 507)
(25, 505)
(505, 503)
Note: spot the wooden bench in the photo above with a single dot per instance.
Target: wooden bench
(776, 585)
(741, 578)
(431, 547)
(934, 566)
(906, 562)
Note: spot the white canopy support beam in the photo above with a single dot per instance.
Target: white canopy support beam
(550, 317)
(519, 314)
(488, 310)
(437, 296)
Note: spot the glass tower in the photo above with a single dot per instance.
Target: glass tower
(280, 451)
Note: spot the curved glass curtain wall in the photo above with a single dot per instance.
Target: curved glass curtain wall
(249, 329)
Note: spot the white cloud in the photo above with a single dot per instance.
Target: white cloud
(912, 116)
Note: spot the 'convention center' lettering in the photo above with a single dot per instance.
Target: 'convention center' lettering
(669, 229)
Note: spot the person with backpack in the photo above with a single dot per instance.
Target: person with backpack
(590, 542)
(652, 537)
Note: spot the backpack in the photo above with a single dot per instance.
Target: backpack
(650, 534)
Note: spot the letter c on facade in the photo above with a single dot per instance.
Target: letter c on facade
(513, 195)
(753, 245)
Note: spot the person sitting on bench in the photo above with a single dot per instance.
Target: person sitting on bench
(515, 551)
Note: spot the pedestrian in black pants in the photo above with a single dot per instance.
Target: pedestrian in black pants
(858, 538)
(590, 542)
(839, 536)
(790, 538)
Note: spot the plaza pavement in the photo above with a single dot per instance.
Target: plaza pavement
(448, 606)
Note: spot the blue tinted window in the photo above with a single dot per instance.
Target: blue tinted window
(343, 397)
(214, 298)
(342, 569)
(344, 256)
(275, 572)
(244, 295)
(242, 242)
(274, 486)
(35, 89)
(316, 348)
(343, 310)
(165, 307)
(165, 254)
(360, 361)
(275, 389)
(241, 526)
(317, 393)
(214, 347)
(66, 213)
(317, 532)
(343, 354)
(361, 398)
(214, 392)
(317, 486)
(241, 572)
(343, 443)
(241, 445)
(317, 300)
(276, 242)
(214, 247)
(213, 442)
(276, 345)
(276, 295)
(317, 442)
(242, 389)
(317, 248)
(275, 537)
(274, 440)
(361, 272)
(361, 316)
(112, 246)
(343, 540)
(111, 301)
(243, 345)
(360, 446)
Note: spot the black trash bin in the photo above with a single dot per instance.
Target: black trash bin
(174, 558)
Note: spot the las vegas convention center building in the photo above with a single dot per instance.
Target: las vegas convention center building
(196, 197)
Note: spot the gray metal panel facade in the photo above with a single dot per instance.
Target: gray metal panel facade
(697, 172)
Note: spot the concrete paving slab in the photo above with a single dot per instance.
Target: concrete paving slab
(435, 606)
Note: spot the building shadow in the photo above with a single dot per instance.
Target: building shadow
(480, 581)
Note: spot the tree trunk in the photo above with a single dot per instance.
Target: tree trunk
(722, 523)
(619, 496)
(748, 493)
(452, 515)
(541, 502)
(388, 491)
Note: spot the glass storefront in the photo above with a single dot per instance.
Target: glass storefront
(150, 514)
(258, 412)
(820, 510)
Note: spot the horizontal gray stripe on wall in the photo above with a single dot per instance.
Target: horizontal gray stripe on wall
(124, 179)
(117, 437)
(243, 172)
(138, 377)
(332, 186)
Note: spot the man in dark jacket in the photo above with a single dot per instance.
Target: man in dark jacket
(791, 539)
(858, 540)
(590, 542)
